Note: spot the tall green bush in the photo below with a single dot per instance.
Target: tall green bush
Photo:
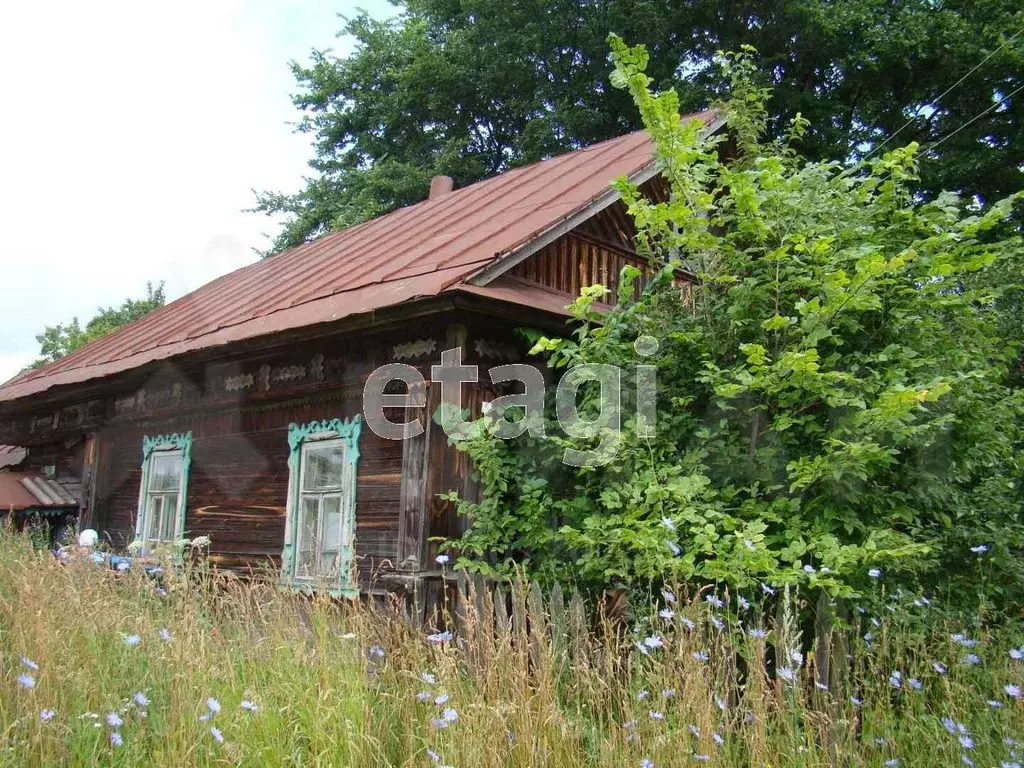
(832, 395)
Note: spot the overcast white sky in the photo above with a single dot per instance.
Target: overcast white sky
(132, 134)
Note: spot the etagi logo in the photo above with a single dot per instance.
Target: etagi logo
(451, 374)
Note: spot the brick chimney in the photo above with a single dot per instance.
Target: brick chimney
(440, 186)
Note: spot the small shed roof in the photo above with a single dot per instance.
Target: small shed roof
(421, 251)
(26, 490)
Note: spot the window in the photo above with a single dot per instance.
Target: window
(165, 465)
(320, 527)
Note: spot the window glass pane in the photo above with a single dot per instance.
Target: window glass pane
(164, 471)
(332, 523)
(323, 464)
(154, 510)
(306, 543)
(170, 512)
(329, 564)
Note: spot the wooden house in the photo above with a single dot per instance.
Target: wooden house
(234, 412)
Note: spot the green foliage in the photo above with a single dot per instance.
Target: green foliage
(62, 339)
(472, 88)
(835, 394)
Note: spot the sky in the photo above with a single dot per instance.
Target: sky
(131, 138)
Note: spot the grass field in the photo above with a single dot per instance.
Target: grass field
(100, 668)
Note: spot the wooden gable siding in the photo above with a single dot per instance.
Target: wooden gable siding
(593, 253)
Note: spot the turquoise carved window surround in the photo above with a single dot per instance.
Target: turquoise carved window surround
(321, 507)
(163, 491)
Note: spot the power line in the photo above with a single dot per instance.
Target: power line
(943, 94)
(976, 117)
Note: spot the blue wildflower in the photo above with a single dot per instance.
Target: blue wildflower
(670, 596)
(688, 623)
(757, 632)
(428, 678)
(875, 573)
(655, 715)
(26, 681)
(115, 739)
(766, 589)
(971, 658)
(896, 679)
(249, 706)
(742, 602)
(646, 763)
(939, 667)
(132, 640)
(668, 693)
(667, 613)
(141, 699)
(1012, 690)
(441, 559)
(980, 549)
(217, 735)
(966, 741)
(440, 637)
(714, 600)
(47, 715)
(114, 720)
(786, 673)
(30, 664)
(701, 656)
(668, 522)
(674, 548)
(717, 738)
(165, 634)
(653, 642)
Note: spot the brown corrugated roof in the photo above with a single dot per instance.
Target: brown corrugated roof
(24, 490)
(414, 252)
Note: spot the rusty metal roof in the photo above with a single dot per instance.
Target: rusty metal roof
(25, 490)
(415, 252)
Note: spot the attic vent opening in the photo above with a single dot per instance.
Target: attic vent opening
(440, 186)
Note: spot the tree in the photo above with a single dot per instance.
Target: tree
(834, 397)
(472, 88)
(59, 340)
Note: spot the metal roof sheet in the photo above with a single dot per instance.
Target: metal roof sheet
(10, 455)
(23, 490)
(414, 252)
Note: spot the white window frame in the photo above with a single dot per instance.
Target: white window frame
(304, 439)
(177, 445)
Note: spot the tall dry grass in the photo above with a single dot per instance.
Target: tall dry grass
(345, 686)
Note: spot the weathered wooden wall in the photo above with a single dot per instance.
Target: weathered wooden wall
(239, 474)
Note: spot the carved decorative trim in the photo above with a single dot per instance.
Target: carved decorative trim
(495, 349)
(264, 377)
(241, 381)
(171, 442)
(316, 367)
(346, 429)
(413, 349)
(288, 373)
